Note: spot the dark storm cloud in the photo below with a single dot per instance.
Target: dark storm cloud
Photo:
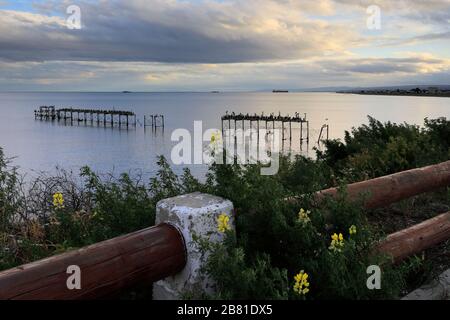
(192, 31)
(167, 32)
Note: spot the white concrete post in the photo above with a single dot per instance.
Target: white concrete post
(197, 214)
(439, 289)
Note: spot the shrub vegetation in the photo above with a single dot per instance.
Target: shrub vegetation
(280, 250)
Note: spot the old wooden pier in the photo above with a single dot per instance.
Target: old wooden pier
(154, 121)
(268, 122)
(87, 116)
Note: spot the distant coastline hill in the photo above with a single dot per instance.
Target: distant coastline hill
(409, 90)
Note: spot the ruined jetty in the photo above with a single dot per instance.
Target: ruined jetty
(87, 116)
(270, 121)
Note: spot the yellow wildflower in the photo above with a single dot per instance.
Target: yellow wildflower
(301, 285)
(352, 230)
(337, 242)
(216, 137)
(58, 200)
(223, 223)
(303, 216)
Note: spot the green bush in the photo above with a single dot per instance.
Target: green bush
(379, 149)
(272, 244)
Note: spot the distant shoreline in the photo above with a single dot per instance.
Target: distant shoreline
(435, 95)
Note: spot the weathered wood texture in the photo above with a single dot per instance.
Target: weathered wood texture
(417, 238)
(106, 268)
(386, 190)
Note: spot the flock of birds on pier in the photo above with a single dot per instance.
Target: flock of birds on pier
(97, 111)
(262, 117)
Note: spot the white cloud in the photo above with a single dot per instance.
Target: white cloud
(251, 44)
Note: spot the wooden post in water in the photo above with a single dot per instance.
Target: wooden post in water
(307, 132)
(290, 130)
(301, 133)
(257, 128)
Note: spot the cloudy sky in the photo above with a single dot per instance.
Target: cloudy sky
(202, 45)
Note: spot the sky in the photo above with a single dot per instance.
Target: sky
(226, 45)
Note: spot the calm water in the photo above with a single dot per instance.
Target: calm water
(44, 145)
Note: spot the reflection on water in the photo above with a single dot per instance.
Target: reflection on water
(41, 145)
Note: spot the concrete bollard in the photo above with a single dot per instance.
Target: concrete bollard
(193, 214)
(439, 289)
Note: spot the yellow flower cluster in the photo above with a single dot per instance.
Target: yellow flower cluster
(337, 242)
(58, 200)
(301, 285)
(216, 137)
(303, 216)
(352, 230)
(223, 223)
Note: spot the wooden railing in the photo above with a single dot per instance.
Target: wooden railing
(413, 240)
(155, 253)
(389, 189)
(107, 267)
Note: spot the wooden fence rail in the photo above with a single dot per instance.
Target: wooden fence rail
(395, 187)
(107, 267)
(413, 240)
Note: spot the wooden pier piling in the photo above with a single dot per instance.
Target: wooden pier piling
(49, 113)
(286, 123)
(157, 121)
